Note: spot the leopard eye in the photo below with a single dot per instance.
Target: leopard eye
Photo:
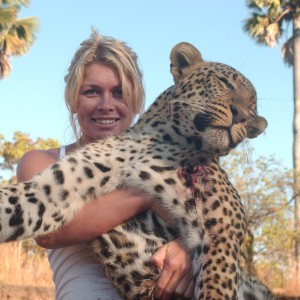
(226, 82)
(238, 116)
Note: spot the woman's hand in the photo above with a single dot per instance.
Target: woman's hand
(176, 271)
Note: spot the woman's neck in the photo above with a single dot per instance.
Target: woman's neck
(72, 147)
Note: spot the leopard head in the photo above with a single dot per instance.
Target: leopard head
(211, 104)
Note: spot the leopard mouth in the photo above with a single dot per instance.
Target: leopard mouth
(236, 132)
(232, 144)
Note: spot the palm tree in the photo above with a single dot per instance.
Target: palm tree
(265, 26)
(16, 35)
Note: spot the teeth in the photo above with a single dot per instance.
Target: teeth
(105, 121)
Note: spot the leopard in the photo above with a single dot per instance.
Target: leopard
(172, 154)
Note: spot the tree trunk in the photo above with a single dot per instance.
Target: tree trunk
(296, 144)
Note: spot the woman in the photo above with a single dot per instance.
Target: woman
(104, 92)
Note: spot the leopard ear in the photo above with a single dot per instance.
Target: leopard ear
(183, 56)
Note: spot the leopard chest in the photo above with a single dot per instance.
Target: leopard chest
(217, 200)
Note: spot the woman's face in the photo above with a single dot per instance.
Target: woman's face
(101, 110)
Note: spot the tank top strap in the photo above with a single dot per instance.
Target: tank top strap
(62, 151)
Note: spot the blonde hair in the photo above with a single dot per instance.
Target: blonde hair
(114, 54)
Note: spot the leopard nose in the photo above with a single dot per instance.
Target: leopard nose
(238, 115)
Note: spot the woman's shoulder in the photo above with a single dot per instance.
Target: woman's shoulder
(50, 155)
(35, 161)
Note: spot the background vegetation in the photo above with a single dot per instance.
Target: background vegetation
(268, 21)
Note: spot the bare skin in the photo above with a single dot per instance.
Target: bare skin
(102, 112)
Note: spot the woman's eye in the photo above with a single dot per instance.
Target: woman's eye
(90, 92)
(118, 93)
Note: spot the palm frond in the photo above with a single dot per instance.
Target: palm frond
(7, 16)
(272, 34)
(256, 27)
(15, 3)
(16, 35)
(256, 5)
(24, 2)
(21, 36)
(263, 30)
(287, 52)
(271, 6)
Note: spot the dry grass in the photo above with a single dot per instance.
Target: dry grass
(27, 275)
(24, 268)
(292, 290)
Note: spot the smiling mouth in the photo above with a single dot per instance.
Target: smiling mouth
(105, 121)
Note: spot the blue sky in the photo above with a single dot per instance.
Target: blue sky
(32, 97)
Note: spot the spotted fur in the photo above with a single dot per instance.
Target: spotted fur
(172, 155)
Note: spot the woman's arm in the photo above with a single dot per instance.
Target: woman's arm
(96, 218)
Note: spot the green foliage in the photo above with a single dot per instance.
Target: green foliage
(265, 25)
(273, 7)
(12, 151)
(16, 35)
(14, 3)
(266, 189)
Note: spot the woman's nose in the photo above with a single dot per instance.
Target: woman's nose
(105, 103)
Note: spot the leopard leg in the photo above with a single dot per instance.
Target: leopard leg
(51, 199)
(125, 253)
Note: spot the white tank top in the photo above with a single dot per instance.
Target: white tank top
(77, 275)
